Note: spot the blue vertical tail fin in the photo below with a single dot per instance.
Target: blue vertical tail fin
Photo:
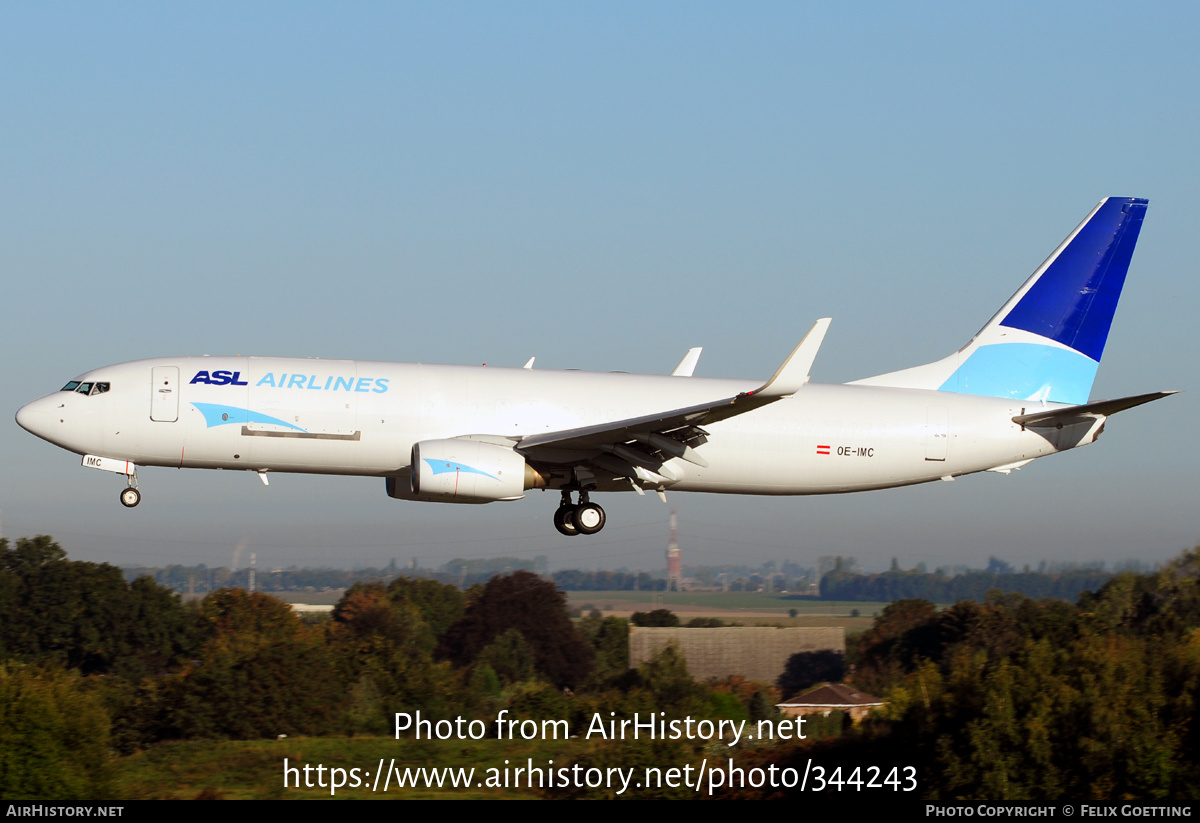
(1045, 343)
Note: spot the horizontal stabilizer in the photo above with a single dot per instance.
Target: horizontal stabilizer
(1077, 414)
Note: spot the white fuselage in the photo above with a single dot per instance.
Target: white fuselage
(362, 418)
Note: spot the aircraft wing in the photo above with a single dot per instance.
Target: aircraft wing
(672, 433)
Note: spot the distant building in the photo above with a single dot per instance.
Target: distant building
(754, 652)
(831, 697)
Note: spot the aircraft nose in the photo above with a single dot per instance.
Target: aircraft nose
(34, 417)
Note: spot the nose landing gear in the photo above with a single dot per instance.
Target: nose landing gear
(583, 517)
(130, 496)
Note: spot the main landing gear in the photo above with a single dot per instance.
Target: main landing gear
(583, 517)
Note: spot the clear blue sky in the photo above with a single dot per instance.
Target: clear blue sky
(602, 185)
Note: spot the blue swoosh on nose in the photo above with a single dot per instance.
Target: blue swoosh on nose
(218, 415)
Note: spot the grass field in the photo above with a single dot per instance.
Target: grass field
(747, 608)
(253, 769)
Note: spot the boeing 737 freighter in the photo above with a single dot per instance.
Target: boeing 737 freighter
(1017, 391)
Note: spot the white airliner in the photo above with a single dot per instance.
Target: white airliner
(470, 434)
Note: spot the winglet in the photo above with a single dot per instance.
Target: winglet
(688, 364)
(793, 374)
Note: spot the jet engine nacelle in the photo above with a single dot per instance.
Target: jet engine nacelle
(469, 471)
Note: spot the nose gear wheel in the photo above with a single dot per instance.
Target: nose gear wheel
(130, 496)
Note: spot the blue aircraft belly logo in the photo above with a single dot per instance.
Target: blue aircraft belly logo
(217, 415)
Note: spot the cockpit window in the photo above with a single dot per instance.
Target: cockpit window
(86, 388)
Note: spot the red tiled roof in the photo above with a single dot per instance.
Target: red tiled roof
(833, 694)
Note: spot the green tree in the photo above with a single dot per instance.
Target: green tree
(609, 639)
(665, 675)
(53, 736)
(761, 707)
(261, 673)
(903, 632)
(29, 553)
(664, 618)
(384, 647)
(509, 656)
(84, 615)
(367, 610)
(439, 604)
(535, 608)
(806, 669)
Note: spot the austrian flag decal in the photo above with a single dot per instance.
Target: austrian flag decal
(822, 450)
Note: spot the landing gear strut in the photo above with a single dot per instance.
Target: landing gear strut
(583, 517)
